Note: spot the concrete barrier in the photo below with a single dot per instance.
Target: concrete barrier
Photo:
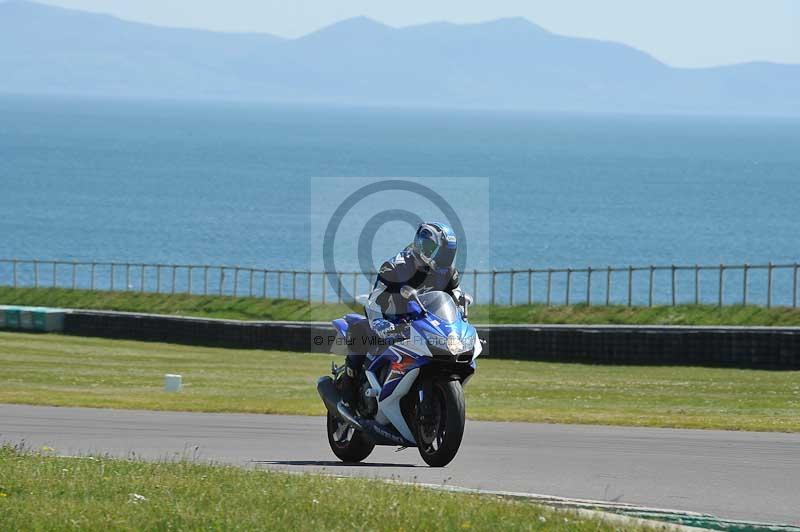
(743, 347)
(282, 336)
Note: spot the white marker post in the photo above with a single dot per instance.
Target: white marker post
(172, 383)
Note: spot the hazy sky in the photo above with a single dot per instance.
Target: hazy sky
(679, 32)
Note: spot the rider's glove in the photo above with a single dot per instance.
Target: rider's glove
(382, 327)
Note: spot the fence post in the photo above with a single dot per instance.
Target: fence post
(530, 286)
(55, 273)
(111, 282)
(294, 285)
(674, 295)
(280, 284)
(158, 278)
(549, 284)
(141, 278)
(205, 280)
(769, 285)
(744, 284)
(355, 286)
(339, 287)
(475, 285)
(127, 276)
(236, 282)
(324, 286)
(308, 288)
(511, 289)
(14, 271)
(189, 280)
(608, 286)
(494, 278)
(35, 273)
(589, 286)
(569, 286)
(250, 282)
(173, 277)
(75, 275)
(696, 284)
(630, 285)
(794, 286)
(650, 287)
(721, 284)
(221, 279)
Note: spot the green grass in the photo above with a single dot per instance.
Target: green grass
(51, 369)
(40, 492)
(245, 308)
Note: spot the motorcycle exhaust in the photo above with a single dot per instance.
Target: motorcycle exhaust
(333, 401)
(348, 416)
(379, 434)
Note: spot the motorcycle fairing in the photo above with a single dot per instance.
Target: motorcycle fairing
(343, 325)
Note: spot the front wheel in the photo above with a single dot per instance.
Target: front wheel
(347, 443)
(439, 426)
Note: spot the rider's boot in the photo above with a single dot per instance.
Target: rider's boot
(349, 382)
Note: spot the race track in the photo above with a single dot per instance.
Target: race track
(734, 475)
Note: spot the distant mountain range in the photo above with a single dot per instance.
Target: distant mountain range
(504, 64)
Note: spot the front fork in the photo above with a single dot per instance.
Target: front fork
(425, 392)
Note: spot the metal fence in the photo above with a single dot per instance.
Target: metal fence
(723, 284)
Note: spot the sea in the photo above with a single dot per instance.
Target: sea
(241, 183)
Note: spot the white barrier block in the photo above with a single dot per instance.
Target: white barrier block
(172, 383)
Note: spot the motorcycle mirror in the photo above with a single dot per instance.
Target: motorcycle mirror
(408, 293)
(413, 296)
(468, 299)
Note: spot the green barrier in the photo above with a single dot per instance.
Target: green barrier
(25, 319)
(13, 318)
(39, 320)
(32, 318)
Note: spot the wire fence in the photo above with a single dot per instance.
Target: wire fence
(723, 284)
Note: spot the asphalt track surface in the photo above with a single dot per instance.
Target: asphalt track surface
(733, 475)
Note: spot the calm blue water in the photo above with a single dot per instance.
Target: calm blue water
(226, 183)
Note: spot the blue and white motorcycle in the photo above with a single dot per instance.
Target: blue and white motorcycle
(411, 392)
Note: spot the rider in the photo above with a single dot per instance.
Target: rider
(426, 264)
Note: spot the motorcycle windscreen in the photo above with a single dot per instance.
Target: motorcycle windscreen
(440, 304)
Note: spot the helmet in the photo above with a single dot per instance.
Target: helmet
(435, 245)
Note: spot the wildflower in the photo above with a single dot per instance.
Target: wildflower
(135, 498)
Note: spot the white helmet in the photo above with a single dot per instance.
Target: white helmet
(435, 245)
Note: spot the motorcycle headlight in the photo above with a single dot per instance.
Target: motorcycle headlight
(451, 343)
(469, 342)
(454, 344)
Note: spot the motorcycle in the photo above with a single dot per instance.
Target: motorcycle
(411, 388)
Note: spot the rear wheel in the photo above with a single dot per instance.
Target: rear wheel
(439, 431)
(347, 443)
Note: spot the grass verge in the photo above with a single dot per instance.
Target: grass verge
(246, 308)
(40, 492)
(59, 370)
